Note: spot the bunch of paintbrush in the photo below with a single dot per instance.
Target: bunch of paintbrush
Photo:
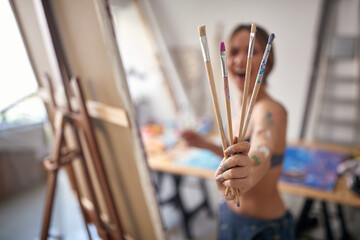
(243, 124)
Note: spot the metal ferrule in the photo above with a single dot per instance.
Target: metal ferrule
(251, 45)
(205, 49)
(223, 64)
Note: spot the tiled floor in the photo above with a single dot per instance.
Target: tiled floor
(21, 215)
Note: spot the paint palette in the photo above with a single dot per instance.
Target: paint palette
(312, 168)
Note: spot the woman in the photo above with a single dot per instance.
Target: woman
(254, 168)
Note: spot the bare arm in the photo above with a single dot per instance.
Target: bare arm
(246, 167)
(268, 137)
(195, 140)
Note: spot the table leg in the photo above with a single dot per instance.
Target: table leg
(329, 235)
(206, 197)
(186, 214)
(345, 233)
(305, 221)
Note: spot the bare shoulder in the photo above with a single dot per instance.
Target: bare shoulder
(271, 115)
(271, 110)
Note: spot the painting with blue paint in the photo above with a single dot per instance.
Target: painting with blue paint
(199, 158)
(310, 167)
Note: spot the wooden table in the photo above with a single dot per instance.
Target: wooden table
(340, 195)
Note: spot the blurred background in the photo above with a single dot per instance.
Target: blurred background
(316, 77)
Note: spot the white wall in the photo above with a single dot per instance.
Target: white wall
(15, 67)
(295, 24)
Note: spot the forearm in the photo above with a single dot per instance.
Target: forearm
(215, 149)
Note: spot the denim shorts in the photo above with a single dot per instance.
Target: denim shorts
(236, 226)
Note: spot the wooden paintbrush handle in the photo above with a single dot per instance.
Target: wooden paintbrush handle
(215, 103)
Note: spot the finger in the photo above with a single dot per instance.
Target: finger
(235, 140)
(242, 147)
(241, 184)
(238, 160)
(234, 173)
(218, 171)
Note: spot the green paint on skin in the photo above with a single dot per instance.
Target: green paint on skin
(256, 159)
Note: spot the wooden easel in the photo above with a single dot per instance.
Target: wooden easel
(78, 121)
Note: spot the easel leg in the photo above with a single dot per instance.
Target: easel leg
(96, 156)
(49, 204)
(52, 171)
(77, 192)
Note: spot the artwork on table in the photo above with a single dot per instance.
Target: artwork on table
(311, 167)
(199, 158)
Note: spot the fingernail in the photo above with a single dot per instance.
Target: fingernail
(223, 167)
(229, 151)
(219, 178)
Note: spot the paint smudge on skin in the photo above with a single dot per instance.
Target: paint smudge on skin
(263, 130)
(264, 150)
(256, 159)
(268, 121)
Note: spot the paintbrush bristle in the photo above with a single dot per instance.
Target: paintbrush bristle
(253, 27)
(222, 47)
(271, 38)
(202, 30)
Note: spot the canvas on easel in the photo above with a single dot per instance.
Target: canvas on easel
(62, 41)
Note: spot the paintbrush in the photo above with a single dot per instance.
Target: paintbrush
(226, 89)
(227, 101)
(246, 84)
(206, 56)
(257, 84)
(247, 80)
(210, 75)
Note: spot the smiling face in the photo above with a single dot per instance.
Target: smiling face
(237, 58)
